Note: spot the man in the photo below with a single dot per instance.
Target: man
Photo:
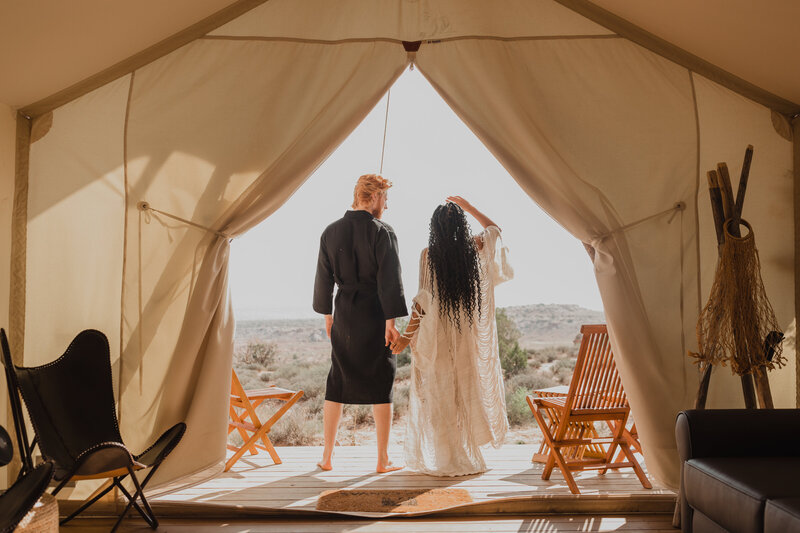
(358, 253)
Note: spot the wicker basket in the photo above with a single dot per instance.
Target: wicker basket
(43, 518)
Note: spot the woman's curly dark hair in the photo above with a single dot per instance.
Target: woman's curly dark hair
(453, 264)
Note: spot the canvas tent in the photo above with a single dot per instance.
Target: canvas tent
(601, 124)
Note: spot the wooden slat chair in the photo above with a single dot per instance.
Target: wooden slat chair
(575, 430)
(567, 421)
(592, 450)
(243, 406)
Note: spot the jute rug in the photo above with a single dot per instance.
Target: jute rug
(391, 501)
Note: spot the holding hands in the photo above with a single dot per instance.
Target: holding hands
(400, 344)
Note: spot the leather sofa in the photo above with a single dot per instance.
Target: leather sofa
(740, 470)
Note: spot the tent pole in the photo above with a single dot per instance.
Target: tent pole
(796, 182)
(19, 237)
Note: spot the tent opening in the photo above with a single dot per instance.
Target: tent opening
(429, 154)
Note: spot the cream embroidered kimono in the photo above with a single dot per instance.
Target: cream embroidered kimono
(457, 401)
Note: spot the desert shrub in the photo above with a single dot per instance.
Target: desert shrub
(562, 370)
(248, 377)
(548, 354)
(258, 354)
(403, 373)
(566, 363)
(313, 404)
(517, 407)
(404, 358)
(400, 398)
(360, 414)
(530, 380)
(310, 378)
(297, 427)
(513, 359)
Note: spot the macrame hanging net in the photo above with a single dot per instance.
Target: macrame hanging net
(738, 324)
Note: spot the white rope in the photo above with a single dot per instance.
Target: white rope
(679, 206)
(144, 207)
(385, 125)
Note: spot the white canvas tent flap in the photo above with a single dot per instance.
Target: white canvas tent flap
(598, 130)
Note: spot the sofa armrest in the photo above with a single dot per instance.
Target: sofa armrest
(738, 433)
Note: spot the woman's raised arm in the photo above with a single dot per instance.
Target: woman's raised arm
(472, 210)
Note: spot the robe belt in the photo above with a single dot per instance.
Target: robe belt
(370, 287)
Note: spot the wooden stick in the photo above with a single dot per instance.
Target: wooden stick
(702, 391)
(749, 392)
(728, 207)
(715, 194)
(740, 192)
(716, 205)
(762, 388)
(762, 380)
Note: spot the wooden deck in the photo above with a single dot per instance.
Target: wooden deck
(506, 524)
(256, 487)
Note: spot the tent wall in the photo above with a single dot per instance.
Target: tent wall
(729, 122)
(219, 133)
(7, 149)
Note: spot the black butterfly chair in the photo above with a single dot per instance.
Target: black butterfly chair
(70, 402)
(26, 490)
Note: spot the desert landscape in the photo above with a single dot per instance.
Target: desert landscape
(538, 347)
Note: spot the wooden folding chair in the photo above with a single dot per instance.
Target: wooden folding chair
(567, 420)
(243, 407)
(592, 450)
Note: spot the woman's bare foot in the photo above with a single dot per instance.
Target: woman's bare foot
(387, 467)
(325, 464)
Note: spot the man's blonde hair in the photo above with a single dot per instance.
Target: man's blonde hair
(366, 186)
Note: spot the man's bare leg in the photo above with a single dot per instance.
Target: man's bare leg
(331, 414)
(382, 413)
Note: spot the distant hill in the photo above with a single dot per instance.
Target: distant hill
(547, 324)
(539, 324)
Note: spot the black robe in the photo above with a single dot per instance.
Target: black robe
(358, 253)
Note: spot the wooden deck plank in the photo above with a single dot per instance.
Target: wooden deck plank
(597, 523)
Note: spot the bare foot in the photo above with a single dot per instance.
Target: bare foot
(388, 467)
(325, 465)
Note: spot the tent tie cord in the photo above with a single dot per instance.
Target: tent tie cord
(145, 207)
(675, 209)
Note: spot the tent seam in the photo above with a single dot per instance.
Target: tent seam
(696, 204)
(400, 41)
(124, 241)
(19, 244)
(697, 190)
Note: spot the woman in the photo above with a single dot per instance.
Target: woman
(457, 400)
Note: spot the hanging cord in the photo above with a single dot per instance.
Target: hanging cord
(385, 125)
(145, 207)
(678, 207)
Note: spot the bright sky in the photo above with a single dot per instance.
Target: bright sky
(430, 154)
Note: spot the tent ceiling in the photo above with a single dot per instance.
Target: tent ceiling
(48, 45)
